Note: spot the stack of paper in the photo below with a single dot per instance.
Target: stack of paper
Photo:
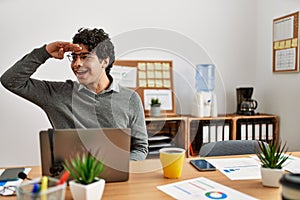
(238, 168)
(292, 165)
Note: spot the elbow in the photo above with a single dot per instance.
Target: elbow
(140, 154)
(7, 81)
(4, 81)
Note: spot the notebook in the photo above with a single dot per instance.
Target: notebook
(111, 145)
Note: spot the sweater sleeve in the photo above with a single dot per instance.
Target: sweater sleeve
(139, 136)
(17, 78)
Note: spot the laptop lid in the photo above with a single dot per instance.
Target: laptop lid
(111, 145)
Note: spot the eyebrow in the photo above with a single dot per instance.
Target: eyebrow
(82, 53)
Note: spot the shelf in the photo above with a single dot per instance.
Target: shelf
(230, 127)
(159, 138)
(191, 133)
(165, 132)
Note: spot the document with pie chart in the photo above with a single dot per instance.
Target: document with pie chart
(202, 188)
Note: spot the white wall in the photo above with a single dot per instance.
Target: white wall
(226, 30)
(278, 92)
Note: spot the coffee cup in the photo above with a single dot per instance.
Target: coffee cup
(172, 161)
(290, 186)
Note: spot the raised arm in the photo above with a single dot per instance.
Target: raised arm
(17, 78)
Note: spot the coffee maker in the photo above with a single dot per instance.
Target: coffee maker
(245, 105)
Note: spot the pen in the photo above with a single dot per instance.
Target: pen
(44, 187)
(63, 178)
(35, 188)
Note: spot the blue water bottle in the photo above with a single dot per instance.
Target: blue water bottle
(205, 77)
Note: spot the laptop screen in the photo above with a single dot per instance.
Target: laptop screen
(111, 145)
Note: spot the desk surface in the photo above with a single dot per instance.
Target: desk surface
(146, 175)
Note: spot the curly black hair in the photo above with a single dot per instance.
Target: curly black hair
(96, 40)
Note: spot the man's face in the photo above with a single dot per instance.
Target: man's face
(88, 68)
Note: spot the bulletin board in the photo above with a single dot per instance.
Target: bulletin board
(150, 79)
(286, 43)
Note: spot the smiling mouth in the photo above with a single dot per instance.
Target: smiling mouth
(81, 72)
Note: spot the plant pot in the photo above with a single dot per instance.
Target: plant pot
(155, 111)
(270, 177)
(92, 191)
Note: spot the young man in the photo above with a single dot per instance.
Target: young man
(95, 101)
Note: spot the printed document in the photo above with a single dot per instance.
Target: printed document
(201, 188)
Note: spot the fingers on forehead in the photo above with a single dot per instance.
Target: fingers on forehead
(67, 46)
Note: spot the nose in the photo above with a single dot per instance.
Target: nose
(77, 63)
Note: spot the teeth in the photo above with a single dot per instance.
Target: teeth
(81, 71)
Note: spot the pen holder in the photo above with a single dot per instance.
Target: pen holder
(25, 190)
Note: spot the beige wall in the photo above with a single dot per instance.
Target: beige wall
(233, 34)
(278, 92)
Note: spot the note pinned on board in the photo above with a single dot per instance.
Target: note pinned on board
(288, 44)
(125, 76)
(276, 45)
(295, 42)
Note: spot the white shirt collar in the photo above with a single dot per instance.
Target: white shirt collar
(112, 87)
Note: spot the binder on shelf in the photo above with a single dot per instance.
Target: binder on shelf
(205, 135)
(212, 133)
(231, 127)
(226, 132)
(220, 133)
(255, 129)
(208, 130)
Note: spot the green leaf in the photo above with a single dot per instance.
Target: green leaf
(84, 168)
(273, 154)
(155, 101)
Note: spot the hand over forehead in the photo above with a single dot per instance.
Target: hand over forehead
(67, 46)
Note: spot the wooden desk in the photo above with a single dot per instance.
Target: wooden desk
(146, 175)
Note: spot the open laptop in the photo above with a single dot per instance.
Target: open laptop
(111, 145)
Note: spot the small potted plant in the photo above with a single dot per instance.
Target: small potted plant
(272, 157)
(155, 107)
(85, 169)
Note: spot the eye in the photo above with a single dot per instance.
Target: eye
(74, 57)
(83, 57)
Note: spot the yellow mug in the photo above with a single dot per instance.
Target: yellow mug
(172, 161)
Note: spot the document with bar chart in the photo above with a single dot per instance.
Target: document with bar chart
(201, 188)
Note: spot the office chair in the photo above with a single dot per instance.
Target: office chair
(229, 147)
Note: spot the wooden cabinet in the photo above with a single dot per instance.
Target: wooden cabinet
(191, 133)
(166, 132)
(263, 127)
(207, 129)
(259, 127)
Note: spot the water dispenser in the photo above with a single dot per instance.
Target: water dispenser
(205, 103)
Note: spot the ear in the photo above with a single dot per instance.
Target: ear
(105, 62)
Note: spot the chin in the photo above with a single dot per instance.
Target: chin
(82, 82)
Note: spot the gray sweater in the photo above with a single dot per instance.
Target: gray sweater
(71, 105)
